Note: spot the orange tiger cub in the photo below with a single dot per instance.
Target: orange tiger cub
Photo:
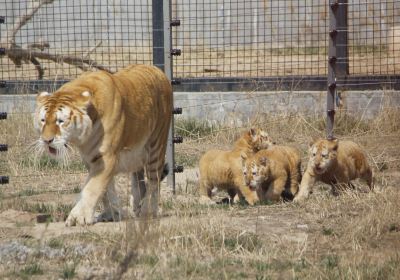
(222, 169)
(119, 123)
(336, 163)
(273, 173)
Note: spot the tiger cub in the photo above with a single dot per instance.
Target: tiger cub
(273, 173)
(222, 169)
(336, 163)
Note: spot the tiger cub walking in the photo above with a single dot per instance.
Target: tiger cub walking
(336, 163)
(273, 173)
(222, 169)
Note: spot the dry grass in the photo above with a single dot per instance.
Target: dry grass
(353, 236)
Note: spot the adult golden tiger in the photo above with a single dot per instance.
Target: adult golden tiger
(119, 123)
(336, 163)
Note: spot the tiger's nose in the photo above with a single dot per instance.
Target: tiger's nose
(48, 141)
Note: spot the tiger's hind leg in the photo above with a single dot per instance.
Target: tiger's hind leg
(156, 171)
(138, 190)
(112, 206)
(149, 203)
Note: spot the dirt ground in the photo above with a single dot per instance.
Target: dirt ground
(355, 235)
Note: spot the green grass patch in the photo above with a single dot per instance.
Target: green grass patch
(193, 128)
(55, 243)
(186, 160)
(29, 270)
(46, 163)
(69, 271)
(327, 231)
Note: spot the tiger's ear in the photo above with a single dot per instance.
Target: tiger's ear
(42, 96)
(86, 98)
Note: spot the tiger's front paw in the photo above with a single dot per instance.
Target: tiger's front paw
(81, 215)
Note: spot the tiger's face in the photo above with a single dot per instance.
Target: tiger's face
(260, 139)
(322, 154)
(61, 119)
(255, 171)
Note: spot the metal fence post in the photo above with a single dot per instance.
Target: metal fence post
(332, 58)
(338, 62)
(3, 148)
(162, 58)
(342, 47)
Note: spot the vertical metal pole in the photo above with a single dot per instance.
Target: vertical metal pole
(162, 59)
(168, 71)
(342, 50)
(332, 58)
(338, 58)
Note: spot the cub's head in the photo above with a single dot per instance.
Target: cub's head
(256, 170)
(322, 154)
(60, 119)
(258, 139)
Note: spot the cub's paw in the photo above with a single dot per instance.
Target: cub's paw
(80, 215)
(205, 200)
(299, 199)
(252, 199)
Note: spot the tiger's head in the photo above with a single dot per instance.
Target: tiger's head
(256, 170)
(322, 154)
(256, 139)
(61, 119)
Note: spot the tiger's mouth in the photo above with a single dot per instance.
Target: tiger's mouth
(52, 150)
(319, 170)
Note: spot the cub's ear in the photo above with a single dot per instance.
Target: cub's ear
(253, 132)
(243, 156)
(40, 97)
(312, 140)
(335, 144)
(264, 161)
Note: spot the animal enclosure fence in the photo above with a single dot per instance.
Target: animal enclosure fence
(208, 45)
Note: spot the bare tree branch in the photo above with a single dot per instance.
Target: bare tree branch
(19, 55)
(22, 20)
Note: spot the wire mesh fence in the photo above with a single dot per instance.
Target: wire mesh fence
(250, 38)
(373, 37)
(251, 41)
(55, 40)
